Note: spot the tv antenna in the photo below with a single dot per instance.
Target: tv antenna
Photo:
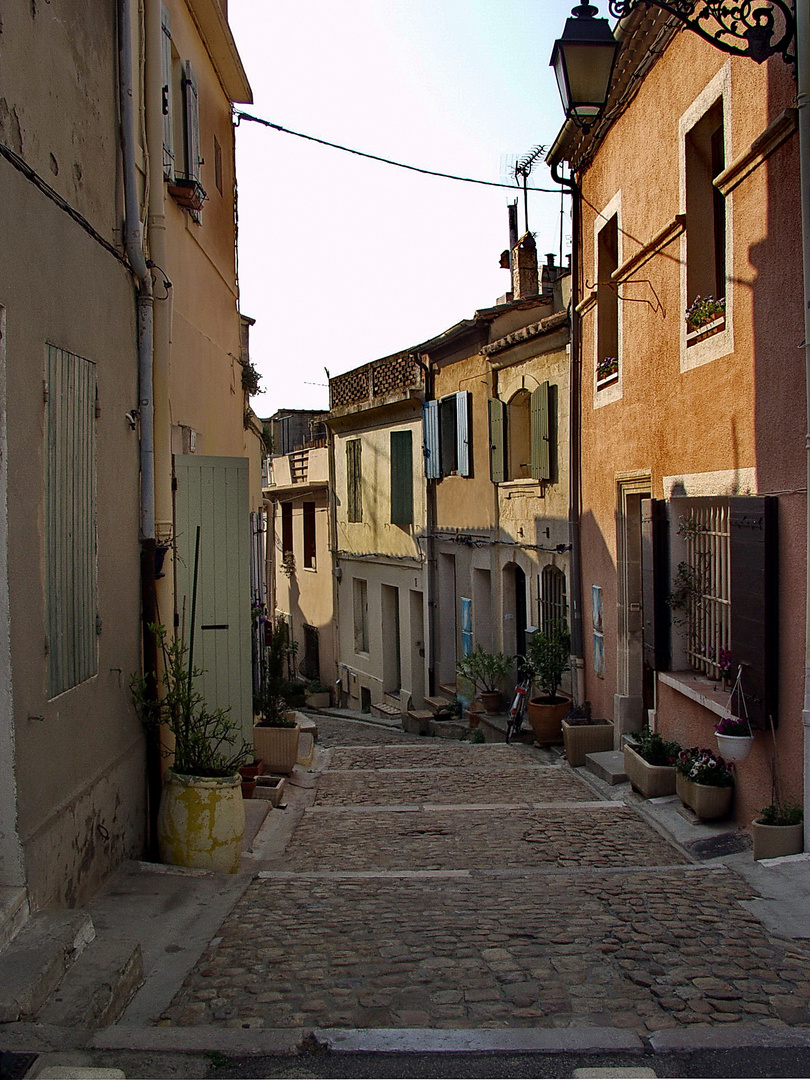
(522, 169)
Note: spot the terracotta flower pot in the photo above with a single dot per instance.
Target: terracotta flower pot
(546, 716)
(776, 841)
(491, 700)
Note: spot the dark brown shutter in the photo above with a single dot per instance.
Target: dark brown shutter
(754, 554)
(654, 584)
(447, 428)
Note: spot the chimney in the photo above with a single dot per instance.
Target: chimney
(550, 274)
(524, 268)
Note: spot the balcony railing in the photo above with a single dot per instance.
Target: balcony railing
(376, 382)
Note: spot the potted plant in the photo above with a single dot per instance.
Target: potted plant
(704, 311)
(486, 671)
(548, 656)
(318, 695)
(649, 762)
(734, 738)
(704, 783)
(583, 735)
(275, 731)
(779, 830)
(201, 820)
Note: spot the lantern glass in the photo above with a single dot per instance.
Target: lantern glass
(583, 61)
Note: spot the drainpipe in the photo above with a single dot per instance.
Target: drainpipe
(425, 364)
(803, 102)
(133, 239)
(574, 445)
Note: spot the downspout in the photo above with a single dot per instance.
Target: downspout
(134, 242)
(803, 103)
(574, 444)
(430, 546)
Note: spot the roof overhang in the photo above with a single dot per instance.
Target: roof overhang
(216, 34)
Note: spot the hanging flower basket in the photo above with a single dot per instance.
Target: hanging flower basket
(734, 747)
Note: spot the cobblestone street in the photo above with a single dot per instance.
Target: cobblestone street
(433, 884)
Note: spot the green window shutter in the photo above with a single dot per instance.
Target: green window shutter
(354, 480)
(540, 433)
(166, 92)
(401, 478)
(497, 440)
(70, 521)
(192, 129)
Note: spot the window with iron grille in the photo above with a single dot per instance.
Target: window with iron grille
(553, 603)
(70, 521)
(700, 595)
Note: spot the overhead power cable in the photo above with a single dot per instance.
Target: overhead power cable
(386, 161)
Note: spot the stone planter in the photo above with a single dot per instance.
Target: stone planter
(545, 718)
(201, 822)
(734, 747)
(278, 746)
(270, 788)
(776, 841)
(321, 700)
(583, 739)
(651, 781)
(491, 700)
(709, 803)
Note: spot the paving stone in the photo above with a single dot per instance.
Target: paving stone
(564, 913)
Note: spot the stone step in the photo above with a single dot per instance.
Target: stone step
(98, 987)
(438, 703)
(607, 765)
(417, 722)
(35, 962)
(448, 729)
(13, 913)
(449, 690)
(388, 712)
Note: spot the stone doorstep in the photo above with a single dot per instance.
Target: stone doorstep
(383, 710)
(608, 766)
(35, 962)
(98, 987)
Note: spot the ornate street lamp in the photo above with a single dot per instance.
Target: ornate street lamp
(583, 61)
(754, 28)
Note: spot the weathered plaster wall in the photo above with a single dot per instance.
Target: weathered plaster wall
(741, 411)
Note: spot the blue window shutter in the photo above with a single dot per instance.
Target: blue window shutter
(430, 426)
(540, 433)
(466, 626)
(192, 123)
(463, 433)
(497, 440)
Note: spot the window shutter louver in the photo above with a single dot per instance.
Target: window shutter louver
(754, 556)
(654, 584)
(401, 478)
(463, 432)
(497, 440)
(166, 91)
(354, 492)
(540, 433)
(192, 124)
(430, 428)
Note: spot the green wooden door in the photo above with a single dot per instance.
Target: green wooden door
(212, 492)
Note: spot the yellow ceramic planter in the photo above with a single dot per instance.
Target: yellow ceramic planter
(201, 822)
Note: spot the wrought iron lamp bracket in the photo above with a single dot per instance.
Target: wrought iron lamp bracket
(754, 28)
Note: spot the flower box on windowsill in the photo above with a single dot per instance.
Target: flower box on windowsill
(694, 335)
(608, 380)
(190, 194)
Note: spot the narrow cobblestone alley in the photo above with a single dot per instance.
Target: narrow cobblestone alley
(431, 884)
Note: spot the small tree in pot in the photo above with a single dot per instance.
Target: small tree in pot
(548, 654)
(275, 733)
(486, 671)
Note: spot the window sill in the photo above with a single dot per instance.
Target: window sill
(697, 688)
(608, 380)
(524, 484)
(716, 326)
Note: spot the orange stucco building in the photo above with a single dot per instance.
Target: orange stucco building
(693, 487)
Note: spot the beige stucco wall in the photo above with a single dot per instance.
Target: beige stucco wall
(736, 420)
(77, 759)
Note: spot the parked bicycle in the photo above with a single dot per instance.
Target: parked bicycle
(514, 723)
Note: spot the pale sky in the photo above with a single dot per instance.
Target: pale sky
(344, 260)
